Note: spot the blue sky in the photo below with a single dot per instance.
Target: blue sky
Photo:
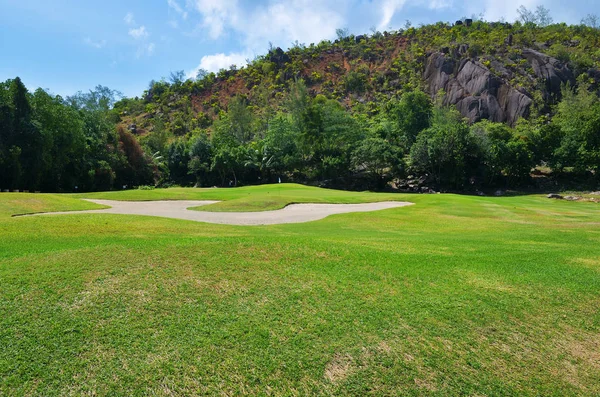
(67, 46)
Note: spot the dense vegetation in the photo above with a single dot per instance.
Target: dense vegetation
(354, 113)
(51, 144)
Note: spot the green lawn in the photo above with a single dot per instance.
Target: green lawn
(456, 295)
(250, 198)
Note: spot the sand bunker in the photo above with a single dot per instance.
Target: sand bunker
(293, 213)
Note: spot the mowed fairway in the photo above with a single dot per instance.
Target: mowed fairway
(455, 295)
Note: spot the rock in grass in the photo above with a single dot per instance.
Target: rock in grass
(555, 196)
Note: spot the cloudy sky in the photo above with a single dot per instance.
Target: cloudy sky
(71, 45)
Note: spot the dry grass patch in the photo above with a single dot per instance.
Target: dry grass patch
(339, 368)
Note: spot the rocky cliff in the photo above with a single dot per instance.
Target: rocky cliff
(479, 93)
(495, 71)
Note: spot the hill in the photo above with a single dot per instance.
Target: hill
(470, 106)
(508, 70)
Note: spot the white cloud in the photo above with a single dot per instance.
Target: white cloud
(95, 44)
(177, 8)
(138, 33)
(495, 10)
(308, 21)
(213, 63)
(129, 19)
(145, 50)
(388, 9)
(439, 4)
(217, 14)
(281, 21)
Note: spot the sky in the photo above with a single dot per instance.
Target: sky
(66, 46)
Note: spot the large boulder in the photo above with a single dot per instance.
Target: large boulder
(552, 71)
(278, 57)
(476, 92)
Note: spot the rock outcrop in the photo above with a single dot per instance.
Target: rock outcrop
(476, 92)
(480, 94)
(552, 71)
(278, 57)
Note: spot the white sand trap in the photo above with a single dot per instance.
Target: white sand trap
(293, 213)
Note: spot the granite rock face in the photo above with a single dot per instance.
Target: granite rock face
(550, 70)
(474, 90)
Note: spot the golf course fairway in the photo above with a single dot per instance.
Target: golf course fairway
(454, 295)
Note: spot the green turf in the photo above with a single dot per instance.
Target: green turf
(250, 198)
(455, 295)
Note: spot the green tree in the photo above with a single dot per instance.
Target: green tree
(379, 158)
(62, 130)
(26, 139)
(178, 158)
(578, 117)
(200, 158)
(239, 121)
(281, 144)
(327, 136)
(229, 161)
(504, 158)
(412, 114)
(444, 151)
(592, 21)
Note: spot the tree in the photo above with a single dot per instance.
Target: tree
(541, 16)
(502, 154)
(6, 137)
(177, 78)
(240, 120)
(444, 150)
(158, 139)
(592, 21)
(327, 136)
(356, 81)
(412, 115)
(101, 156)
(578, 117)
(200, 158)
(519, 161)
(281, 144)
(178, 158)
(62, 130)
(137, 170)
(229, 160)
(25, 142)
(526, 16)
(297, 102)
(342, 33)
(201, 74)
(100, 99)
(379, 158)
(263, 99)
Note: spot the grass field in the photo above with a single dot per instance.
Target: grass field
(251, 198)
(456, 295)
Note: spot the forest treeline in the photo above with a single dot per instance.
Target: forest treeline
(358, 126)
(54, 144)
